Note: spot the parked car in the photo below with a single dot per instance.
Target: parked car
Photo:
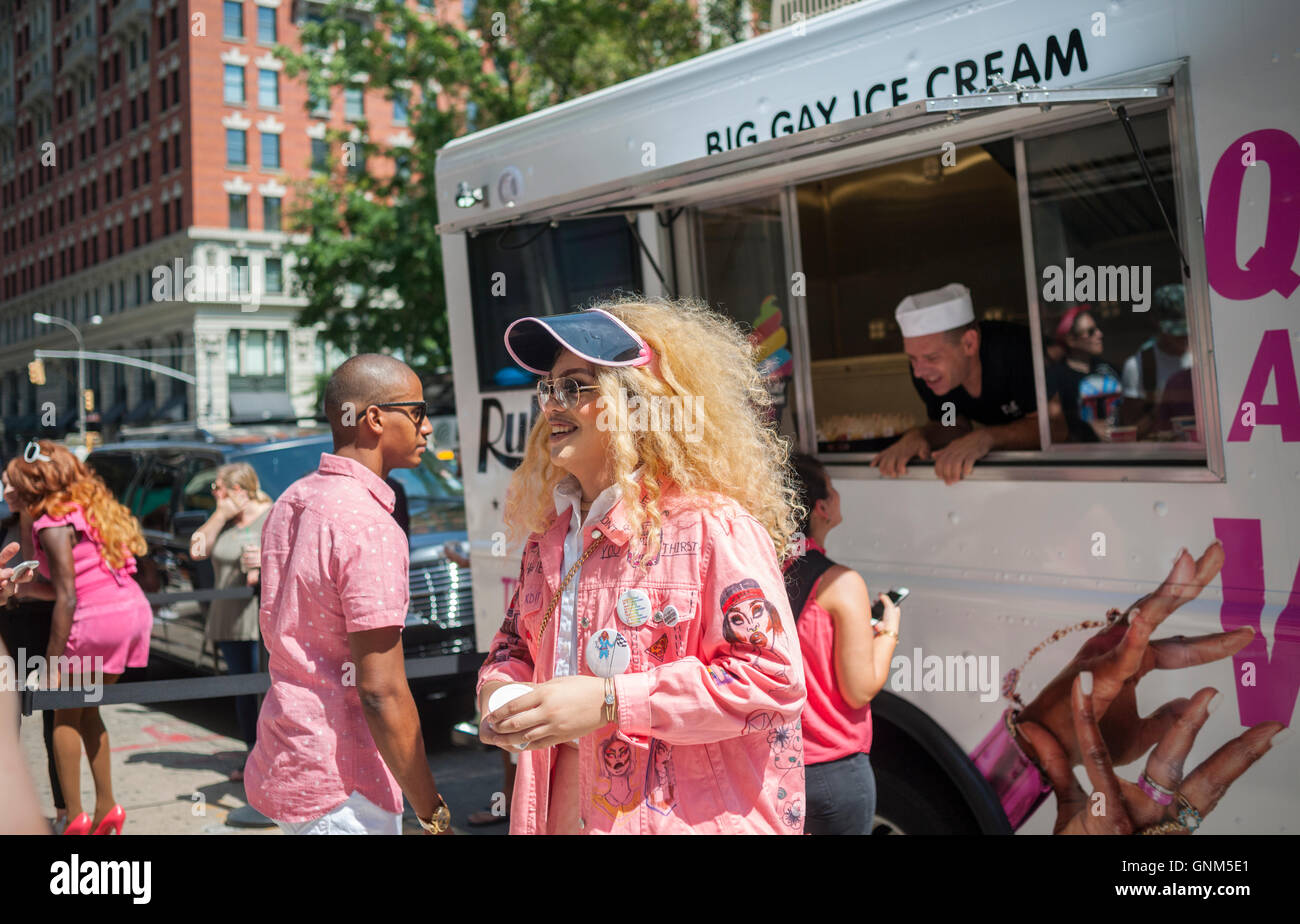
(166, 484)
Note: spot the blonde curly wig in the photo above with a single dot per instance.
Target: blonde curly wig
(706, 363)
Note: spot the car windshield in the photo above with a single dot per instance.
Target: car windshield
(435, 497)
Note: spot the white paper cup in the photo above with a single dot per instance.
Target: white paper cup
(503, 695)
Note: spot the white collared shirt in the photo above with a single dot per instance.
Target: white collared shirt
(568, 494)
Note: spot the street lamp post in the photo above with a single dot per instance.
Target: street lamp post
(41, 318)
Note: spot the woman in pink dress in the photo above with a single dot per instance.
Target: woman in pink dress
(85, 542)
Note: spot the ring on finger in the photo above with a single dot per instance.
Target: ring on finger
(1188, 815)
(1158, 794)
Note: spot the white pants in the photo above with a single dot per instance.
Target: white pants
(358, 815)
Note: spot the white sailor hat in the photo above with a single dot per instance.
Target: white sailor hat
(935, 311)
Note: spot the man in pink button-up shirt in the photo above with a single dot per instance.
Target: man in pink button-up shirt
(338, 738)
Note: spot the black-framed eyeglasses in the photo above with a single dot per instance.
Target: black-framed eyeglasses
(565, 391)
(420, 407)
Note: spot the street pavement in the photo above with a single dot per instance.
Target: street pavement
(172, 762)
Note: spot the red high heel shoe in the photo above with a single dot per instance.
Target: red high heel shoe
(78, 825)
(112, 822)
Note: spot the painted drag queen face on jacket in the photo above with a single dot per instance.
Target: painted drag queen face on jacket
(748, 617)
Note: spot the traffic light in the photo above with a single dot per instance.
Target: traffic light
(36, 371)
(89, 397)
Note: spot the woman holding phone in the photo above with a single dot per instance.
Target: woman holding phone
(846, 663)
(86, 543)
(655, 675)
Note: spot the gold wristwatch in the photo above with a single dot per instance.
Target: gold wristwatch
(440, 821)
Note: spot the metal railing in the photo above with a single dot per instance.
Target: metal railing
(188, 688)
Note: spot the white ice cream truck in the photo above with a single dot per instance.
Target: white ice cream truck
(1142, 158)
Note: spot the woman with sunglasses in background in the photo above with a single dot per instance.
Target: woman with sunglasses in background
(86, 543)
(232, 539)
(649, 647)
(1087, 387)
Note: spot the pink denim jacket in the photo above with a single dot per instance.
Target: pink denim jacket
(708, 737)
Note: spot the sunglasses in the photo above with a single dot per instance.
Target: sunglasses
(566, 392)
(33, 453)
(421, 409)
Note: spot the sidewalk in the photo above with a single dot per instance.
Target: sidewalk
(169, 773)
(171, 769)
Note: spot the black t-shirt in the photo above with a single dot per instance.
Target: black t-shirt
(1102, 394)
(1007, 387)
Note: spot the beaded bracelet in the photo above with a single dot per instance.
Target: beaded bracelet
(1013, 676)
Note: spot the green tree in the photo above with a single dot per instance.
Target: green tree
(371, 265)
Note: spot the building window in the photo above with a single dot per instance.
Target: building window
(255, 352)
(318, 103)
(232, 352)
(268, 89)
(399, 109)
(266, 25)
(319, 154)
(234, 92)
(279, 350)
(274, 274)
(237, 147)
(238, 210)
(270, 151)
(239, 276)
(232, 20)
(271, 213)
(354, 104)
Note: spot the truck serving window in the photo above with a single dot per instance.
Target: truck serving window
(1109, 285)
(538, 270)
(1113, 364)
(743, 274)
(870, 238)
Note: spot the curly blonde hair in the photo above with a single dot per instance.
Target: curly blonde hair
(703, 358)
(62, 481)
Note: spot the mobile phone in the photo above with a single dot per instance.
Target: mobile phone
(878, 608)
(22, 568)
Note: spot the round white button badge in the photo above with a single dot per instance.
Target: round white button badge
(608, 653)
(634, 608)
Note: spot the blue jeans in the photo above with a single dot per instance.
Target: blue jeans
(241, 658)
(841, 796)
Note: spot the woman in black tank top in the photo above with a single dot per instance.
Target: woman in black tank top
(846, 663)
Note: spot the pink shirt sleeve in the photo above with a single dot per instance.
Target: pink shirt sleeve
(371, 577)
(508, 659)
(746, 631)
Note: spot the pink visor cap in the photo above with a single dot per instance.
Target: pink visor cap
(594, 335)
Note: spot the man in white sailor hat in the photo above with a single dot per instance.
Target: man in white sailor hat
(966, 372)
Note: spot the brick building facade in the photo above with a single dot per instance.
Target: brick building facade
(141, 140)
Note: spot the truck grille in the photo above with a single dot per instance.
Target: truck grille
(441, 595)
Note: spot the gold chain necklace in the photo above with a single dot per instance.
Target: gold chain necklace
(565, 583)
